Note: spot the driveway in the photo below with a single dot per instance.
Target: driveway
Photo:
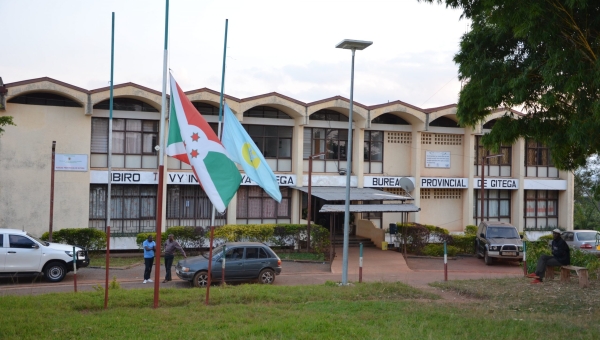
(378, 265)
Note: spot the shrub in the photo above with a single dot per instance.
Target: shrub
(436, 249)
(464, 243)
(471, 230)
(417, 236)
(188, 237)
(87, 238)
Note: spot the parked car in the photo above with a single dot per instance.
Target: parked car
(498, 240)
(244, 261)
(22, 254)
(585, 240)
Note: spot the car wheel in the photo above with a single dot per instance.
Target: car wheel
(266, 276)
(477, 250)
(200, 279)
(55, 271)
(486, 258)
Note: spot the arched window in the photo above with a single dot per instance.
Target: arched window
(206, 109)
(388, 118)
(489, 124)
(40, 98)
(444, 122)
(329, 115)
(266, 112)
(125, 104)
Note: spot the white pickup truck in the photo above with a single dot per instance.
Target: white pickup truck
(22, 254)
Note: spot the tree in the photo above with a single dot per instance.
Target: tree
(587, 196)
(541, 55)
(5, 120)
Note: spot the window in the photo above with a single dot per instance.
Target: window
(266, 112)
(206, 109)
(541, 209)
(444, 122)
(188, 205)
(125, 104)
(274, 142)
(331, 141)
(47, 99)
(133, 208)
(254, 205)
(496, 205)
(329, 115)
(373, 152)
(538, 160)
(388, 118)
(537, 154)
(494, 166)
(1, 240)
(18, 241)
(130, 137)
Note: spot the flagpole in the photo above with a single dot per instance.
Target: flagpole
(109, 193)
(212, 218)
(161, 160)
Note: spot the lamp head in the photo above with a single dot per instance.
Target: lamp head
(342, 171)
(349, 44)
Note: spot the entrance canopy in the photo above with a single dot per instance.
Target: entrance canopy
(363, 208)
(356, 194)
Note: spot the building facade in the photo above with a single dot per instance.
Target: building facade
(390, 141)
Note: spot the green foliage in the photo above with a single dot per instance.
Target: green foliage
(436, 249)
(416, 236)
(541, 55)
(587, 196)
(465, 244)
(4, 121)
(471, 230)
(188, 237)
(87, 238)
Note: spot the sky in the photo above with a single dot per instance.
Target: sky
(284, 46)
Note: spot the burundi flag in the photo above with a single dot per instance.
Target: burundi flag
(243, 151)
(192, 141)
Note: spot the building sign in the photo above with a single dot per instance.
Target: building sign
(383, 182)
(69, 162)
(183, 178)
(545, 184)
(437, 159)
(497, 183)
(444, 182)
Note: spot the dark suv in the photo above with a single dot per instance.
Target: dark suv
(498, 240)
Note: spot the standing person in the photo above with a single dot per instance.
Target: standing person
(561, 256)
(170, 246)
(149, 247)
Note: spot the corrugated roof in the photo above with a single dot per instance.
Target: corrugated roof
(363, 208)
(356, 194)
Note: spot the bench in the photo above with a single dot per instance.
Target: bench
(565, 274)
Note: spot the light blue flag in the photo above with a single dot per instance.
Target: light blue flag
(243, 151)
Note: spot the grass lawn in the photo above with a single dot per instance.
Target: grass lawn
(514, 310)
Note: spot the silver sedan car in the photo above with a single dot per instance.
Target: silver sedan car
(584, 240)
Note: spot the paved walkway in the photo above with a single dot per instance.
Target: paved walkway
(378, 265)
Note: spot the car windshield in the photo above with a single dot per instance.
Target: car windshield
(38, 240)
(217, 252)
(501, 232)
(587, 236)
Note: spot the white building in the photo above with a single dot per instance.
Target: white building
(391, 141)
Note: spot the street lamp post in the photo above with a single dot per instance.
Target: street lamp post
(483, 158)
(308, 211)
(352, 45)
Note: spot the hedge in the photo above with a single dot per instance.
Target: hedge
(87, 238)
(281, 235)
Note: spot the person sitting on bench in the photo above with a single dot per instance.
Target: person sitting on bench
(561, 256)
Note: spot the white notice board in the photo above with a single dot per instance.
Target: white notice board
(437, 159)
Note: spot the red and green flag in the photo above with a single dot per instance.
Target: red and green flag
(192, 141)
